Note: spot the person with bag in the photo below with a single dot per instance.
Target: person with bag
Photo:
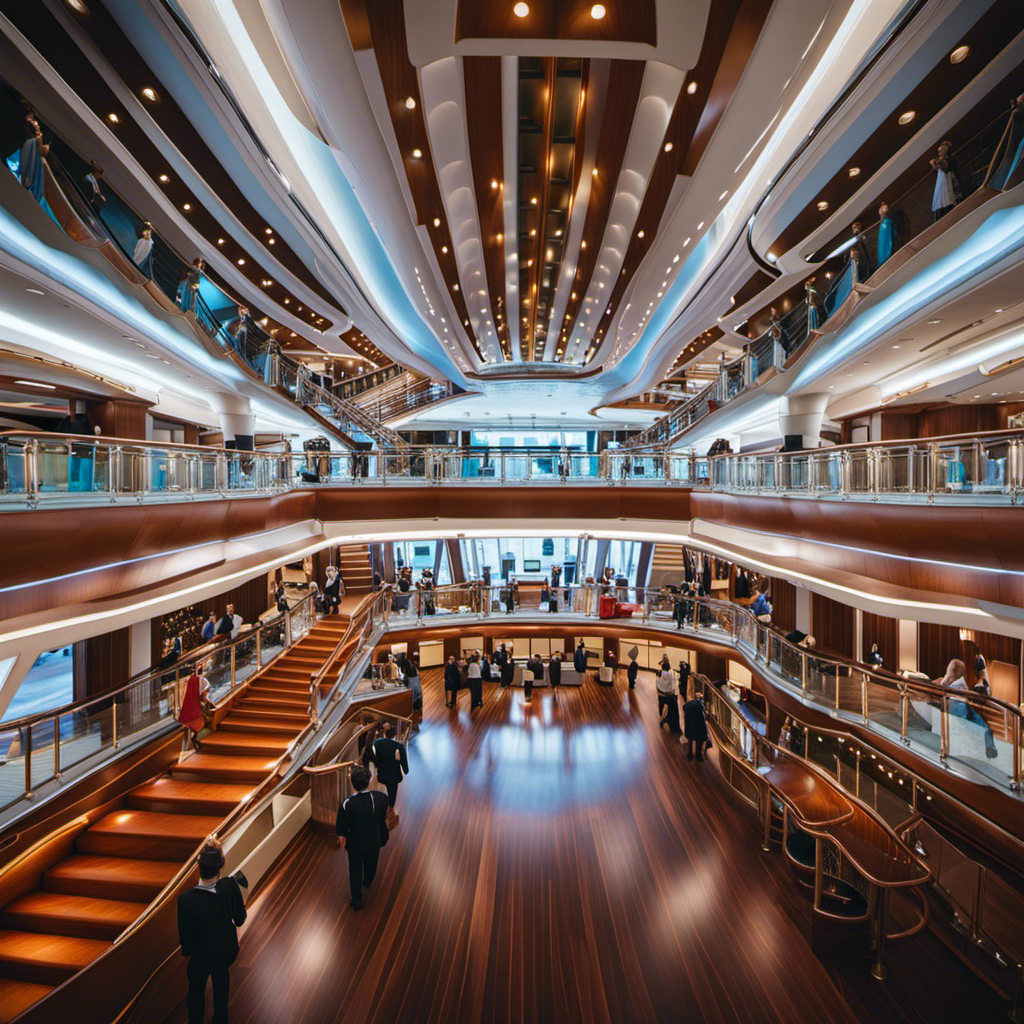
(194, 708)
(209, 916)
(362, 829)
(389, 758)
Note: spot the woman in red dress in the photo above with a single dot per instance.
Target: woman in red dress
(192, 704)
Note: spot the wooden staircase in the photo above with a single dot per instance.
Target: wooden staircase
(123, 860)
(354, 566)
(667, 565)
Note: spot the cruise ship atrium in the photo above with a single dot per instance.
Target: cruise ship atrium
(511, 511)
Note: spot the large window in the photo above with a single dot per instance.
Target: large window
(50, 683)
(533, 557)
(422, 554)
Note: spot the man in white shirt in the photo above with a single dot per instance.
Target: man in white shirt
(236, 621)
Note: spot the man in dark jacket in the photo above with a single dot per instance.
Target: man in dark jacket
(362, 829)
(555, 670)
(391, 761)
(452, 680)
(631, 673)
(579, 659)
(508, 670)
(695, 728)
(209, 916)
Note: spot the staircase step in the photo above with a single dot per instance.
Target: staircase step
(280, 703)
(223, 768)
(177, 796)
(284, 728)
(148, 834)
(83, 917)
(16, 996)
(116, 878)
(246, 744)
(268, 716)
(45, 959)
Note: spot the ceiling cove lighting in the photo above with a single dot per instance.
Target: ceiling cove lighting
(36, 384)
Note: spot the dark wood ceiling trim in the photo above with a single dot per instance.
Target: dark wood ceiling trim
(357, 24)
(50, 38)
(532, 247)
(484, 119)
(993, 31)
(625, 80)
(734, 27)
(386, 20)
(632, 21)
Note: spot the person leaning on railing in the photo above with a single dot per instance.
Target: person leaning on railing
(961, 707)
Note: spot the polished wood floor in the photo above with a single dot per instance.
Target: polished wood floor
(564, 862)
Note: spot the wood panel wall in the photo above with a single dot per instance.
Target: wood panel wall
(833, 625)
(102, 663)
(118, 417)
(884, 631)
(783, 596)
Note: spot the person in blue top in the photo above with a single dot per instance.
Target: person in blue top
(210, 626)
(886, 234)
(761, 605)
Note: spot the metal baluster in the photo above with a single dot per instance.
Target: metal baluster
(56, 747)
(113, 716)
(233, 666)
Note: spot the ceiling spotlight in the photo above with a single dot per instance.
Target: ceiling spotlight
(78, 6)
(959, 54)
(437, 222)
(583, 244)
(410, 103)
(597, 12)
(558, 233)
(417, 154)
(854, 172)
(186, 207)
(533, 232)
(907, 116)
(241, 262)
(668, 147)
(640, 233)
(164, 179)
(594, 171)
(692, 87)
(533, 201)
(771, 257)
(113, 119)
(723, 195)
(521, 10)
(823, 205)
(220, 241)
(149, 93)
(494, 182)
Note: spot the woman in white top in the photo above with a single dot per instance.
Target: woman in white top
(961, 707)
(143, 255)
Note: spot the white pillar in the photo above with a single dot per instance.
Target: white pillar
(907, 655)
(803, 610)
(800, 419)
(140, 646)
(236, 420)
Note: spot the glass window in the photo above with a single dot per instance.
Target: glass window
(50, 683)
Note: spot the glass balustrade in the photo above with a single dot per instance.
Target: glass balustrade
(53, 746)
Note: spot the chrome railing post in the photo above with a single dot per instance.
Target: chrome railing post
(863, 693)
(56, 747)
(32, 470)
(259, 648)
(944, 730)
(232, 666)
(933, 470)
(28, 761)
(288, 628)
(113, 720)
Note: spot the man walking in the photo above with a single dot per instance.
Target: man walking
(209, 915)
(474, 677)
(362, 829)
(389, 757)
(555, 670)
(579, 660)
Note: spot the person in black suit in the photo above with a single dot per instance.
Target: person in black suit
(485, 669)
(209, 916)
(684, 678)
(501, 656)
(695, 728)
(508, 670)
(534, 671)
(362, 829)
(579, 659)
(555, 670)
(631, 673)
(452, 680)
(389, 757)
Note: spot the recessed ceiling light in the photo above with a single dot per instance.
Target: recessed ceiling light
(895, 346)
(241, 262)
(78, 6)
(640, 233)
(113, 119)
(533, 201)
(771, 257)
(853, 172)
(36, 384)
(700, 225)
(959, 54)
(907, 116)
(521, 10)
(186, 207)
(164, 179)
(583, 244)
(1000, 310)
(220, 241)
(417, 154)
(410, 103)
(437, 222)
(149, 93)
(597, 12)
(494, 182)
(35, 291)
(823, 205)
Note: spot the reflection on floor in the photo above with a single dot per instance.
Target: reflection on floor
(565, 862)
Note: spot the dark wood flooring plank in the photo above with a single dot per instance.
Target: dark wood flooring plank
(565, 863)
